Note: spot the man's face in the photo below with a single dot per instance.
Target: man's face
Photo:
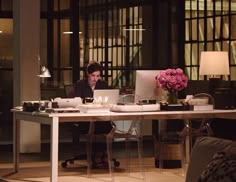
(93, 78)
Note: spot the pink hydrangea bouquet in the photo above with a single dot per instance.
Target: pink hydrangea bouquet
(172, 79)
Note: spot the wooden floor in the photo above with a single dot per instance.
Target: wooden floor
(36, 167)
(39, 172)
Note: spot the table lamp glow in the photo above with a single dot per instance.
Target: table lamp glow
(214, 63)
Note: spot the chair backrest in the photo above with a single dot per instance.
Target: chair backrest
(69, 91)
(203, 99)
(127, 99)
(131, 125)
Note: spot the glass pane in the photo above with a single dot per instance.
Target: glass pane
(209, 29)
(194, 54)
(64, 4)
(226, 27)
(187, 54)
(56, 5)
(43, 5)
(225, 46)
(187, 14)
(233, 73)
(217, 27)
(209, 46)
(233, 27)
(194, 74)
(201, 29)
(201, 14)
(66, 77)
(55, 43)
(201, 47)
(194, 29)
(233, 52)
(82, 50)
(209, 7)
(43, 41)
(61, 5)
(65, 43)
(187, 72)
(6, 5)
(187, 29)
(6, 43)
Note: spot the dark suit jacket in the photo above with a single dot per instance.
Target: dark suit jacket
(82, 88)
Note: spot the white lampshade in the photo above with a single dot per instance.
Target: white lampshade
(214, 63)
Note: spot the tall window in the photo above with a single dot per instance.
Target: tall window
(6, 68)
(113, 36)
(209, 26)
(109, 32)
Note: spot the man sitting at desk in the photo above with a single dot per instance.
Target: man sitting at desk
(84, 88)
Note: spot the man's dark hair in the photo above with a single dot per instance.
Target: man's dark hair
(93, 66)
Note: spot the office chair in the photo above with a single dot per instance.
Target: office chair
(200, 127)
(132, 134)
(166, 137)
(90, 137)
(69, 90)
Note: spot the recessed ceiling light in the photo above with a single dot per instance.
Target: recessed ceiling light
(70, 32)
(67, 32)
(1, 31)
(134, 29)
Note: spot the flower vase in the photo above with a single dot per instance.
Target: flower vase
(172, 97)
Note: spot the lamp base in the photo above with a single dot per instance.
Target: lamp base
(213, 84)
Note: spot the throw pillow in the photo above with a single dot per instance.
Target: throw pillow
(222, 168)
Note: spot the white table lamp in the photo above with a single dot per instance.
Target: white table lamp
(214, 63)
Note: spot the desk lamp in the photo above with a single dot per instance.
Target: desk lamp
(44, 73)
(214, 64)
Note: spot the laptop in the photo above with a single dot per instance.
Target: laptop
(110, 96)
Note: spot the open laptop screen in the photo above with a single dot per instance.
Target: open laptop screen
(111, 95)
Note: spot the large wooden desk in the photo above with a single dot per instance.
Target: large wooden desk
(54, 119)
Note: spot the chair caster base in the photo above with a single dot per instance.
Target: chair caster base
(116, 163)
(64, 164)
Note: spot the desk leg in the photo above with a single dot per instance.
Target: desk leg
(54, 149)
(16, 143)
(188, 143)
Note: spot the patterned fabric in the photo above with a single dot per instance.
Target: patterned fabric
(222, 168)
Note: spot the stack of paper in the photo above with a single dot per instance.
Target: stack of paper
(203, 107)
(93, 108)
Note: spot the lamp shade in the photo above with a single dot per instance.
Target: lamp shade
(44, 72)
(214, 63)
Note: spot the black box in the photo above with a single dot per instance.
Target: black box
(175, 107)
(224, 98)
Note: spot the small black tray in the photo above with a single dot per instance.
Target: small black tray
(175, 107)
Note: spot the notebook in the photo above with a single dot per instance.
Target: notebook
(110, 96)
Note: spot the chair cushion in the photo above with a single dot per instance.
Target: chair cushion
(202, 153)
